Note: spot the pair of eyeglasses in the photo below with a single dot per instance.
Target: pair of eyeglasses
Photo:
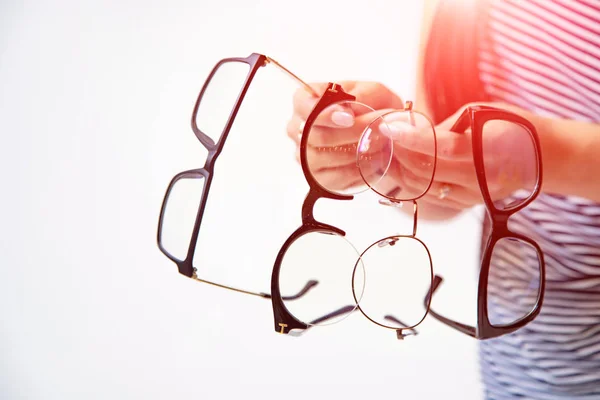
(185, 200)
(387, 280)
(512, 272)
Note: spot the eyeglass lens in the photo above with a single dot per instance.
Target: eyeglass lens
(328, 259)
(180, 214)
(510, 161)
(219, 98)
(332, 148)
(413, 147)
(513, 282)
(397, 272)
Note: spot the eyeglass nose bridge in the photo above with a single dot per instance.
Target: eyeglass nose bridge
(400, 204)
(500, 220)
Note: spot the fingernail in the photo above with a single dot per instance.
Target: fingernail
(342, 118)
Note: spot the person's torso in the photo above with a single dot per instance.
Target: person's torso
(544, 56)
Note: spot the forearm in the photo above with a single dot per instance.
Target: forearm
(570, 156)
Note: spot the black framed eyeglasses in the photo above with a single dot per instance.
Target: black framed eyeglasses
(398, 268)
(512, 272)
(186, 196)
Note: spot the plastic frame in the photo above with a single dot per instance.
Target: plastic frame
(284, 321)
(475, 117)
(185, 266)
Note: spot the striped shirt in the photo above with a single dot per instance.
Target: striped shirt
(544, 56)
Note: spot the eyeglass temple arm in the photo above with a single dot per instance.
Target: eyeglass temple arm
(294, 76)
(466, 329)
(331, 315)
(463, 122)
(309, 285)
(401, 333)
(348, 309)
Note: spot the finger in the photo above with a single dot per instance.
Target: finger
(339, 179)
(336, 115)
(428, 208)
(457, 194)
(333, 156)
(454, 146)
(414, 131)
(370, 122)
(455, 172)
(294, 129)
(369, 96)
(450, 145)
(411, 187)
(450, 121)
(336, 178)
(422, 164)
(330, 157)
(304, 101)
(319, 157)
(374, 94)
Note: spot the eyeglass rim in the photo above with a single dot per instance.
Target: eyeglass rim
(475, 116)
(495, 237)
(185, 267)
(390, 193)
(427, 303)
(183, 264)
(284, 321)
(255, 61)
(485, 329)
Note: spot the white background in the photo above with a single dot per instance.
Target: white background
(95, 103)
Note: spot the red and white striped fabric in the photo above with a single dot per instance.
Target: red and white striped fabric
(544, 56)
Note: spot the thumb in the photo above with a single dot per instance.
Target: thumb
(413, 131)
(449, 122)
(373, 95)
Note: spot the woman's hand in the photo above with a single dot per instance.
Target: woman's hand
(509, 164)
(454, 186)
(333, 138)
(333, 142)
